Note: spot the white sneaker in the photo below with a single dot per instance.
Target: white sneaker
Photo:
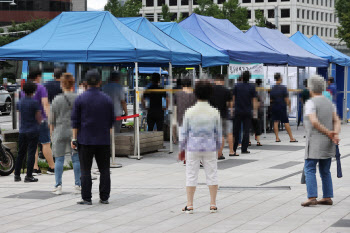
(57, 190)
(77, 189)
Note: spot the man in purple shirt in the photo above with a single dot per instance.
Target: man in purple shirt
(44, 132)
(92, 120)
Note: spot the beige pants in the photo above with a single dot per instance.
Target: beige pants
(210, 164)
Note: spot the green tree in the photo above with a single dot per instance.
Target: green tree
(208, 8)
(131, 8)
(236, 14)
(2, 30)
(260, 19)
(167, 16)
(342, 8)
(181, 17)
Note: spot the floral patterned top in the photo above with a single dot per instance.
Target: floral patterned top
(201, 130)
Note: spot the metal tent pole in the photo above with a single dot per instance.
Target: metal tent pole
(266, 77)
(345, 104)
(200, 71)
(194, 78)
(171, 107)
(221, 70)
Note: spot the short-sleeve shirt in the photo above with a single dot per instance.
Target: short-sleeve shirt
(28, 107)
(219, 99)
(278, 94)
(53, 89)
(117, 94)
(244, 94)
(39, 94)
(310, 107)
(333, 90)
(183, 101)
(155, 99)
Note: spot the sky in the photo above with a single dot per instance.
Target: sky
(96, 4)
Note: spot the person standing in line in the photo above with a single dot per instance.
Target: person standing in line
(322, 126)
(155, 112)
(61, 132)
(114, 90)
(332, 88)
(245, 102)
(221, 99)
(44, 132)
(201, 138)
(183, 100)
(279, 102)
(92, 120)
(258, 113)
(30, 119)
(53, 87)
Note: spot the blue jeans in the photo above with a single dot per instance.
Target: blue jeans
(325, 173)
(59, 161)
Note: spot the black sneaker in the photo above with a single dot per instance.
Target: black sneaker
(17, 178)
(36, 172)
(222, 157)
(246, 152)
(28, 179)
(104, 202)
(83, 202)
(50, 171)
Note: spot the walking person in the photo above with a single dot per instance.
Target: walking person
(322, 126)
(332, 89)
(30, 119)
(53, 87)
(155, 110)
(114, 90)
(44, 133)
(258, 113)
(61, 132)
(245, 102)
(221, 99)
(279, 102)
(92, 121)
(201, 138)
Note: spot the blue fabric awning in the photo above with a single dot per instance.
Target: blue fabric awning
(318, 41)
(151, 70)
(307, 44)
(222, 35)
(86, 37)
(210, 56)
(275, 40)
(181, 55)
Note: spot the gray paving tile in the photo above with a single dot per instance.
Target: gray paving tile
(277, 147)
(342, 223)
(286, 165)
(40, 195)
(230, 163)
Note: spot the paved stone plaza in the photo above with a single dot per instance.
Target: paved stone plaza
(260, 192)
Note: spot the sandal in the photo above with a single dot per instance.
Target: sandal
(187, 210)
(294, 140)
(234, 154)
(258, 144)
(213, 209)
(278, 140)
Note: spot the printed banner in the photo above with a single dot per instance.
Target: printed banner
(237, 68)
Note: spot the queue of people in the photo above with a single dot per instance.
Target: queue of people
(80, 126)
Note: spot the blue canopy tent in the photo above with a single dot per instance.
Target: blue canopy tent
(210, 56)
(151, 70)
(275, 40)
(225, 37)
(180, 54)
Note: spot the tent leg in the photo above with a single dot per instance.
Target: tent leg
(113, 164)
(171, 107)
(266, 77)
(200, 71)
(345, 105)
(194, 78)
(221, 70)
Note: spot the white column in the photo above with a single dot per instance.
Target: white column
(171, 107)
(194, 78)
(137, 109)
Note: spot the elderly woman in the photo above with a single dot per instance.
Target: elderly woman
(322, 127)
(201, 138)
(61, 132)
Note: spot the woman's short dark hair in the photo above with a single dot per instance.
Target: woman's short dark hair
(29, 88)
(278, 76)
(246, 76)
(33, 74)
(186, 82)
(258, 82)
(203, 90)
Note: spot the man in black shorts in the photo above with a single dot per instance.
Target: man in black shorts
(279, 101)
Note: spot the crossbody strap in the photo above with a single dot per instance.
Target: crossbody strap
(69, 103)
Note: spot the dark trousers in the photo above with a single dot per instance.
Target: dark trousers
(27, 143)
(155, 118)
(245, 120)
(102, 155)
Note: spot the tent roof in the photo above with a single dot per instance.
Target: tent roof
(151, 70)
(304, 42)
(94, 37)
(210, 56)
(318, 41)
(181, 55)
(223, 36)
(275, 40)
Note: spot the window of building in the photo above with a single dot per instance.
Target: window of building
(161, 2)
(150, 17)
(326, 17)
(259, 1)
(272, 0)
(185, 14)
(195, 2)
(249, 14)
(246, 1)
(330, 3)
(312, 2)
(271, 13)
(317, 14)
(307, 14)
(331, 32)
(316, 2)
(298, 13)
(221, 1)
(313, 15)
(298, 27)
(307, 1)
(326, 32)
(173, 2)
(321, 2)
(184, 3)
(321, 31)
(335, 18)
(303, 29)
(285, 29)
(326, 2)
(335, 32)
(316, 30)
(257, 12)
(285, 13)
(303, 14)
(285, 0)
(149, 3)
(303, 1)
(308, 30)
(174, 17)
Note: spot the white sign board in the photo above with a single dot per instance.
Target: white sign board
(237, 68)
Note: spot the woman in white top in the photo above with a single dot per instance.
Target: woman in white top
(200, 138)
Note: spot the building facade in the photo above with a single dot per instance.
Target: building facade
(25, 10)
(79, 5)
(307, 16)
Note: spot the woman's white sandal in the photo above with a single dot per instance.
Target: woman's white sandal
(213, 209)
(188, 211)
